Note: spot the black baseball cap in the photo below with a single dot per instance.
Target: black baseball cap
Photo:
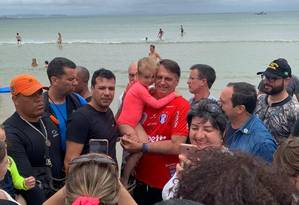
(278, 68)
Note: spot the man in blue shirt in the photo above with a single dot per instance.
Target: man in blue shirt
(60, 101)
(245, 131)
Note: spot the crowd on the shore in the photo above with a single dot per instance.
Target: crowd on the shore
(59, 146)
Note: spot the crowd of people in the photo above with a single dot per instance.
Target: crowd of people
(240, 148)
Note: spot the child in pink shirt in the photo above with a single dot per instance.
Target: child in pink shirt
(136, 97)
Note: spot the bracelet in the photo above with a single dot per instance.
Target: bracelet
(145, 147)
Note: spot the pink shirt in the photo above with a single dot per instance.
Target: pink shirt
(135, 99)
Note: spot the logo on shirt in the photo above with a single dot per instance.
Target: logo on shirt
(54, 133)
(163, 118)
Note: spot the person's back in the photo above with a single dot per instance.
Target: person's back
(100, 185)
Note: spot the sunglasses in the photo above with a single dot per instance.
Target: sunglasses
(269, 78)
(212, 108)
(93, 158)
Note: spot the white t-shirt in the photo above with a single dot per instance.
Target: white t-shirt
(170, 188)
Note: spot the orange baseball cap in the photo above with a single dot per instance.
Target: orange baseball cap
(25, 85)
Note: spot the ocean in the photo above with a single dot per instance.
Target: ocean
(236, 45)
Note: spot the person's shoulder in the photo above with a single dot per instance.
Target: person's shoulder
(84, 110)
(12, 121)
(180, 100)
(261, 98)
(80, 99)
(257, 122)
(290, 104)
(295, 79)
(259, 128)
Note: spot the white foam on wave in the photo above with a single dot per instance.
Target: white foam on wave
(156, 42)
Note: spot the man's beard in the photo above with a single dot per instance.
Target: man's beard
(275, 90)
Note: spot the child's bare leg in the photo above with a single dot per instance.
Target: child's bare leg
(130, 131)
(142, 136)
(20, 199)
(132, 160)
(139, 135)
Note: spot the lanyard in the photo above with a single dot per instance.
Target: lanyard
(45, 136)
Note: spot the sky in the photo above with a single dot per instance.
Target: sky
(139, 7)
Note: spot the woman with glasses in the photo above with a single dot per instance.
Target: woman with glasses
(92, 179)
(207, 123)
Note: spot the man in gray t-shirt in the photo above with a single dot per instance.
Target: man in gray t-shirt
(277, 109)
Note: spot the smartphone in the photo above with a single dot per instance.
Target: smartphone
(188, 149)
(98, 146)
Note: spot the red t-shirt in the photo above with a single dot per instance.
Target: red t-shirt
(160, 124)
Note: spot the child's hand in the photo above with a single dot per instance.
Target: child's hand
(29, 182)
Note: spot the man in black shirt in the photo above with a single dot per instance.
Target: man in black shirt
(33, 140)
(94, 120)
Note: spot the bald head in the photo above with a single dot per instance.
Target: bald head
(82, 77)
(82, 73)
(132, 72)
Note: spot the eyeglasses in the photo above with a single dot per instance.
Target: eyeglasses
(264, 77)
(213, 108)
(93, 158)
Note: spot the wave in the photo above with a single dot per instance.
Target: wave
(156, 42)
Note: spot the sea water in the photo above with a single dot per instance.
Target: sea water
(236, 45)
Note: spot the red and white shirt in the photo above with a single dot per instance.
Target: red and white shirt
(161, 124)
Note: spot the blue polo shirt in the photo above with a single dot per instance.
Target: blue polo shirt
(253, 138)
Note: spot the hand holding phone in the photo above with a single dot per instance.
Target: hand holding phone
(98, 146)
(188, 150)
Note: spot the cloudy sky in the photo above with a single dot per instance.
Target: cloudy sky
(120, 7)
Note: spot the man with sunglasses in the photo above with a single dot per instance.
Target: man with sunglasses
(277, 109)
(245, 131)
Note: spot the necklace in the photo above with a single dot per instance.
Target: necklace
(45, 136)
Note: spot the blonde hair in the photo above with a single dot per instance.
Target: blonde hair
(286, 157)
(146, 63)
(93, 178)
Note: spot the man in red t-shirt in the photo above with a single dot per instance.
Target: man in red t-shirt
(166, 128)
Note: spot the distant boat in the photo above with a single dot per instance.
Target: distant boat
(260, 13)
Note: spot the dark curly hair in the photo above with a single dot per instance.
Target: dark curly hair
(286, 157)
(208, 110)
(234, 179)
